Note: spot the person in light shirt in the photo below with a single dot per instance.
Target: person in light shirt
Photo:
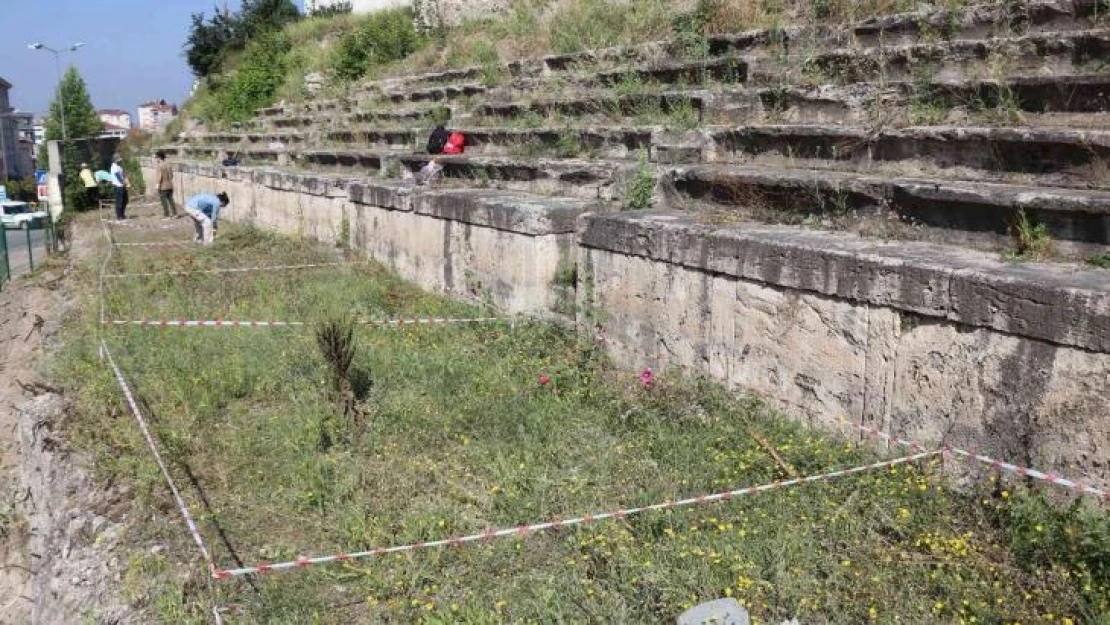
(204, 210)
(119, 185)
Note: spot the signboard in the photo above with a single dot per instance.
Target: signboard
(3, 193)
(42, 184)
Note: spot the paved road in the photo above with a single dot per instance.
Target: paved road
(17, 249)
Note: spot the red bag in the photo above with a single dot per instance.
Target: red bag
(456, 143)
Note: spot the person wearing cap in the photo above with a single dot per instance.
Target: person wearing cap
(120, 184)
(165, 186)
(92, 191)
(204, 210)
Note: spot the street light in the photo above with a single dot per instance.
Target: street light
(58, 70)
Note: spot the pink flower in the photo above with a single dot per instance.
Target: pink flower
(544, 379)
(647, 378)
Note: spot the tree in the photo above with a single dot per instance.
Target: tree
(211, 40)
(82, 127)
(260, 16)
(208, 42)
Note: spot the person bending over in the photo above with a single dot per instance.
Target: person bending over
(204, 209)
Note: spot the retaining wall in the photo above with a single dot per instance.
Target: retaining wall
(925, 341)
(502, 248)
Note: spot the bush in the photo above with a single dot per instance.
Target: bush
(380, 38)
(637, 195)
(256, 82)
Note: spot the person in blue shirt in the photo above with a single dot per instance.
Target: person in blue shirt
(204, 209)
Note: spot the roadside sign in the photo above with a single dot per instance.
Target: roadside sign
(3, 193)
(41, 183)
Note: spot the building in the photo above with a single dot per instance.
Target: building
(112, 131)
(115, 117)
(40, 131)
(16, 157)
(357, 6)
(155, 116)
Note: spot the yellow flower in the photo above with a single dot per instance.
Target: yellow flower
(873, 613)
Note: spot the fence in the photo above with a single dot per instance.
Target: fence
(25, 246)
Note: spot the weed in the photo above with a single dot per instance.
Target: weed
(1099, 260)
(439, 115)
(566, 274)
(630, 83)
(1032, 239)
(683, 114)
(569, 144)
(689, 30)
(641, 188)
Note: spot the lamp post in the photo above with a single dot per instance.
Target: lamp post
(58, 70)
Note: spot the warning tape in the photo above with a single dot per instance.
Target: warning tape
(260, 268)
(182, 508)
(230, 323)
(872, 432)
(168, 225)
(153, 244)
(1009, 467)
(524, 530)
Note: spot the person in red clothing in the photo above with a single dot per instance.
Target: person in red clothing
(456, 143)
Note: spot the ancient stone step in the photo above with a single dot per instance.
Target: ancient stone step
(1064, 157)
(1058, 303)
(918, 28)
(981, 215)
(564, 177)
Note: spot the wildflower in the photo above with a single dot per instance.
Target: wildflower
(544, 379)
(647, 378)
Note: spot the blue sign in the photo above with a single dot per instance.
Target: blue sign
(3, 193)
(40, 176)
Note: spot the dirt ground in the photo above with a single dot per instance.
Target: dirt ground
(59, 532)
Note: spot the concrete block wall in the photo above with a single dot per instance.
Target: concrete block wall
(958, 347)
(499, 248)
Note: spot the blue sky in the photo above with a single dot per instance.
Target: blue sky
(133, 49)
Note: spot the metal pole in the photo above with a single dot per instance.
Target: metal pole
(30, 251)
(7, 274)
(61, 99)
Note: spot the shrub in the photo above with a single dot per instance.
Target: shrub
(642, 186)
(256, 82)
(382, 37)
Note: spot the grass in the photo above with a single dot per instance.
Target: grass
(1099, 260)
(462, 434)
(1032, 240)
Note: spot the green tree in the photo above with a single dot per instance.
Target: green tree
(211, 40)
(208, 42)
(260, 16)
(82, 127)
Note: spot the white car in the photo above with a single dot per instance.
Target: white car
(19, 215)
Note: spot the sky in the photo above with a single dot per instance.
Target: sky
(133, 49)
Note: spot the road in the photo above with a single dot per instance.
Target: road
(17, 249)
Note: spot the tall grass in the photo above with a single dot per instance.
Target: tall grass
(466, 435)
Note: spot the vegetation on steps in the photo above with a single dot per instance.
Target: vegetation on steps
(463, 428)
(342, 49)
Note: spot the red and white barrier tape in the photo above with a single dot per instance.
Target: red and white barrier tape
(144, 226)
(154, 244)
(181, 507)
(261, 268)
(1045, 476)
(524, 530)
(230, 323)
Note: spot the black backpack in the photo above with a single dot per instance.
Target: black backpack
(437, 140)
